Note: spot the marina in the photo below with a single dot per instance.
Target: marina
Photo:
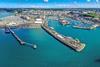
(92, 27)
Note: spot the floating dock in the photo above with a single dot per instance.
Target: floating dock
(68, 41)
(20, 41)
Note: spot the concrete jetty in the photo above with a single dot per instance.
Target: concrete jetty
(20, 41)
(68, 41)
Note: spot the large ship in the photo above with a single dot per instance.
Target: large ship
(63, 22)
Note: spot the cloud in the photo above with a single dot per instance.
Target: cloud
(45, 0)
(97, 1)
(88, 0)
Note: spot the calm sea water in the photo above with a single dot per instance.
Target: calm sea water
(50, 52)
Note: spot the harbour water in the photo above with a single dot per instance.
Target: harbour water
(50, 52)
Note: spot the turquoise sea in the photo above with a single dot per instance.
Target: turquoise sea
(50, 52)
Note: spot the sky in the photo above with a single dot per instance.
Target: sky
(49, 3)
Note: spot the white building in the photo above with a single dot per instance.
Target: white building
(11, 24)
(38, 20)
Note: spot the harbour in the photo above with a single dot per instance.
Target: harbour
(50, 52)
(47, 47)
